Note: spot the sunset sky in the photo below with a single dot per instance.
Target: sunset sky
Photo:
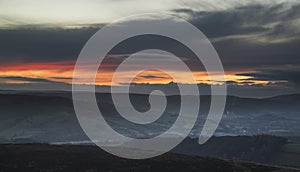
(258, 42)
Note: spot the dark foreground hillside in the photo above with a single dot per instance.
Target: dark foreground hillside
(38, 157)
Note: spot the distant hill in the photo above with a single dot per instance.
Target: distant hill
(49, 116)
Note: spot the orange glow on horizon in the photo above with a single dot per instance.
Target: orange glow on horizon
(63, 72)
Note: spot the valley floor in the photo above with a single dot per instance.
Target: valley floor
(43, 157)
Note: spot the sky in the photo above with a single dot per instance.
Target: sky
(258, 42)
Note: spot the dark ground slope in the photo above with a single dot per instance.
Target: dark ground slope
(35, 157)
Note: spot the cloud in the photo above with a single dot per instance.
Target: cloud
(30, 80)
(244, 37)
(152, 77)
(65, 78)
(288, 74)
(42, 44)
(276, 19)
(253, 35)
(65, 13)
